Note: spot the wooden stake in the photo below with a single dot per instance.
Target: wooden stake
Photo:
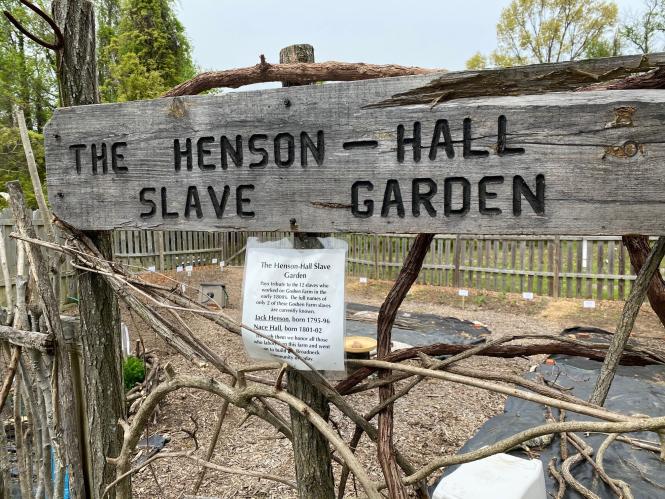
(44, 210)
(5, 477)
(34, 173)
(9, 377)
(310, 448)
(25, 482)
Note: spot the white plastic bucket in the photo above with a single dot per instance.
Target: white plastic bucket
(500, 476)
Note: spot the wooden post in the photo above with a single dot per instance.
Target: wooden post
(303, 52)
(34, 173)
(311, 450)
(44, 211)
(100, 315)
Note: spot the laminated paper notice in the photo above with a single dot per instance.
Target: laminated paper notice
(297, 298)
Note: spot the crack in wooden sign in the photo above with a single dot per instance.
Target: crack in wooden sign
(329, 161)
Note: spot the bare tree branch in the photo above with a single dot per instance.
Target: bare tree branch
(302, 73)
(9, 377)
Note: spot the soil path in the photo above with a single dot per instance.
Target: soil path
(436, 419)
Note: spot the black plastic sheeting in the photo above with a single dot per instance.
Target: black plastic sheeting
(416, 329)
(633, 392)
(152, 444)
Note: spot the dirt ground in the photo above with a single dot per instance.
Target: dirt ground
(436, 419)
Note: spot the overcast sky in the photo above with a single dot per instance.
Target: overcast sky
(437, 34)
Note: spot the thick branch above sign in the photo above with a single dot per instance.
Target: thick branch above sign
(323, 158)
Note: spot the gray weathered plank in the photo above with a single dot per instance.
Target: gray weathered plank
(601, 154)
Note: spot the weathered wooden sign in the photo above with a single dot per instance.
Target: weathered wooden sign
(333, 158)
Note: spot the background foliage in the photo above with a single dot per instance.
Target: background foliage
(543, 31)
(142, 51)
(133, 372)
(143, 48)
(26, 70)
(12, 161)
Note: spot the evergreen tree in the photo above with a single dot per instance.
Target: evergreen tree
(150, 52)
(108, 20)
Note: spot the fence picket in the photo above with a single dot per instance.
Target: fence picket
(600, 269)
(570, 290)
(622, 270)
(610, 257)
(479, 263)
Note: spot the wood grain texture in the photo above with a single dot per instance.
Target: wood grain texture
(617, 73)
(601, 155)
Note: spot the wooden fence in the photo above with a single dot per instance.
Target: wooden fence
(165, 250)
(573, 267)
(68, 289)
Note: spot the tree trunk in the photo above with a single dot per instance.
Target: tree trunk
(311, 451)
(638, 250)
(101, 352)
(98, 306)
(76, 62)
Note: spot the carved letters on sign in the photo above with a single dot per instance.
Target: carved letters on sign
(331, 160)
(260, 151)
